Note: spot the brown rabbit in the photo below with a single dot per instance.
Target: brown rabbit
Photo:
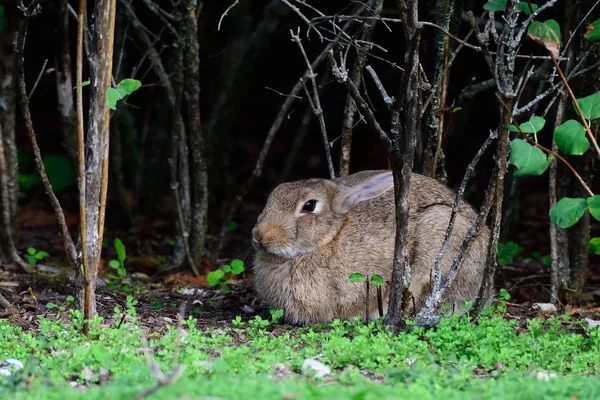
(313, 234)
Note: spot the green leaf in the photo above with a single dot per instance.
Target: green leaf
(31, 251)
(593, 31)
(70, 298)
(128, 86)
(41, 255)
(377, 280)
(528, 159)
(50, 305)
(114, 264)
(27, 181)
(507, 251)
(59, 171)
(226, 268)
(237, 266)
(546, 260)
(570, 138)
(594, 206)
(1, 18)
(232, 226)
(568, 211)
(524, 7)
(120, 248)
(31, 260)
(356, 277)
(214, 277)
(112, 96)
(112, 277)
(547, 34)
(594, 246)
(124, 88)
(534, 125)
(495, 5)
(590, 106)
(503, 295)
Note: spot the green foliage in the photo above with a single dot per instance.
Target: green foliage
(547, 34)
(593, 31)
(356, 277)
(594, 246)
(570, 138)
(534, 125)
(457, 360)
(59, 172)
(568, 211)
(376, 280)
(528, 159)
(219, 277)
(1, 18)
(33, 256)
(590, 106)
(500, 5)
(237, 322)
(276, 315)
(232, 226)
(594, 206)
(507, 251)
(119, 266)
(503, 295)
(124, 88)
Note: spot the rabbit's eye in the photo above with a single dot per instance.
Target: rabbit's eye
(309, 206)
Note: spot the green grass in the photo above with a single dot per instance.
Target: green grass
(457, 360)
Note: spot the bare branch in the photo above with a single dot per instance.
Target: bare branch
(342, 76)
(315, 102)
(235, 3)
(389, 101)
(41, 170)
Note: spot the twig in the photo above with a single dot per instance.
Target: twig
(302, 16)
(163, 15)
(41, 170)
(315, 102)
(456, 206)
(184, 232)
(160, 377)
(342, 76)
(37, 80)
(438, 290)
(389, 101)
(235, 3)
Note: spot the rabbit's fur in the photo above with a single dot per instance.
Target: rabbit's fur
(304, 259)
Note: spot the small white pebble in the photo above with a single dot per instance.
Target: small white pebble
(545, 376)
(546, 308)
(591, 324)
(315, 368)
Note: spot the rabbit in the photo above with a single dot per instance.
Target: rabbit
(314, 233)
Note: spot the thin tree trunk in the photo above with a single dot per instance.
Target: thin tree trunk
(403, 135)
(10, 188)
(97, 145)
(199, 175)
(436, 123)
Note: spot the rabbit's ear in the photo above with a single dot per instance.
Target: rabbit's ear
(374, 186)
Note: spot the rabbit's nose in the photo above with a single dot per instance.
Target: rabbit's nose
(256, 239)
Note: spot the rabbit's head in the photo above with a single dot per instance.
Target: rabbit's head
(302, 217)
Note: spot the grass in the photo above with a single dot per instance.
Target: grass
(457, 360)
